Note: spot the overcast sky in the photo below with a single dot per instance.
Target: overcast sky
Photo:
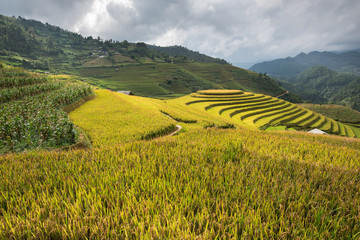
(240, 31)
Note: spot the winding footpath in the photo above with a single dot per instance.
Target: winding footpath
(178, 129)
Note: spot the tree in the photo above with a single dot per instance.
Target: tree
(125, 44)
(49, 44)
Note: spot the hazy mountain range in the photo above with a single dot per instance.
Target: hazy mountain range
(287, 68)
(319, 77)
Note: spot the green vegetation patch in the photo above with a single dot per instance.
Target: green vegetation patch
(183, 81)
(166, 79)
(30, 110)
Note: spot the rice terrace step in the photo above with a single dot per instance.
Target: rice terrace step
(261, 111)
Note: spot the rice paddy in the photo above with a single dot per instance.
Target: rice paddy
(115, 118)
(261, 111)
(203, 183)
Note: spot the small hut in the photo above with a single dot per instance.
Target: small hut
(126, 92)
(317, 131)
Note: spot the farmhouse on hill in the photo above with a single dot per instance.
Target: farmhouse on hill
(126, 92)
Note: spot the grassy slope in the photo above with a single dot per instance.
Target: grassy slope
(229, 77)
(162, 79)
(140, 79)
(203, 183)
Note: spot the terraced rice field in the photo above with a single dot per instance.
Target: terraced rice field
(204, 183)
(261, 111)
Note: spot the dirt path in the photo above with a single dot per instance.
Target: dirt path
(178, 126)
(282, 94)
(173, 133)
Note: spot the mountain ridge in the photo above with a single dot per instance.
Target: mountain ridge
(286, 68)
(183, 51)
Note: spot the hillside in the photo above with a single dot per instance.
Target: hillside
(146, 70)
(319, 77)
(206, 182)
(322, 85)
(183, 51)
(43, 46)
(167, 80)
(288, 68)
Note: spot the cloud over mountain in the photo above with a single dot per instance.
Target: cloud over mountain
(239, 31)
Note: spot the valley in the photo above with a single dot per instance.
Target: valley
(319, 77)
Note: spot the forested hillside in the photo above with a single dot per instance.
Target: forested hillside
(319, 77)
(183, 51)
(33, 44)
(321, 85)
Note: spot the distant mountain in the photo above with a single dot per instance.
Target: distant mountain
(288, 68)
(321, 85)
(177, 51)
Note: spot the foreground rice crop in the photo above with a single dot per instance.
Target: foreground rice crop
(207, 183)
(201, 184)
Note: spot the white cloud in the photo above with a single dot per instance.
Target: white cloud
(170, 37)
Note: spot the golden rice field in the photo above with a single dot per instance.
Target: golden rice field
(203, 183)
(261, 111)
(114, 118)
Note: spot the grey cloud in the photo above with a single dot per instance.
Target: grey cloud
(147, 19)
(63, 13)
(272, 28)
(238, 30)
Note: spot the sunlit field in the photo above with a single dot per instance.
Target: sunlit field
(205, 182)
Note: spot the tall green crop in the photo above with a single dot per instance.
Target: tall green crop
(31, 115)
